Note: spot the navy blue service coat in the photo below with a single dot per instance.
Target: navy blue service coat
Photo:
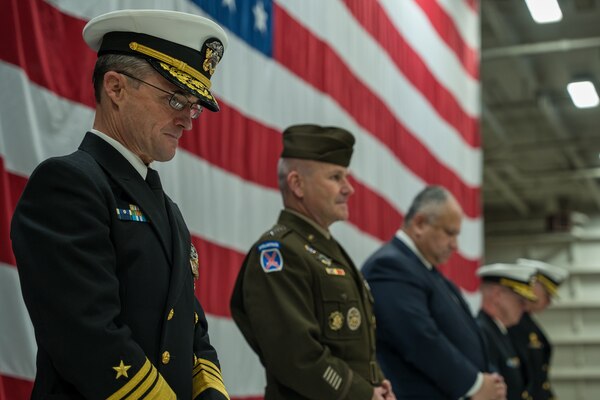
(111, 297)
(535, 351)
(428, 343)
(504, 358)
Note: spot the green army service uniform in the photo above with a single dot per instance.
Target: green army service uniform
(307, 312)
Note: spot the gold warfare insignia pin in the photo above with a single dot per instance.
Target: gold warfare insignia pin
(336, 321)
(534, 341)
(194, 262)
(353, 318)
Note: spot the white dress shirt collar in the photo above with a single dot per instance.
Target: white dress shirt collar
(134, 160)
(404, 238)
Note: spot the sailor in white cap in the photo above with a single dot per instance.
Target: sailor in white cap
(105, 258)
(528, 336)
(505, 290)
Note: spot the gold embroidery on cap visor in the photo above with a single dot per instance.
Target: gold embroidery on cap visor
(188, 81)
(550, 286)
(173, 62)
(522, 289)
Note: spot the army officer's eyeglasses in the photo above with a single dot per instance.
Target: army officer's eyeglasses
(177, 101)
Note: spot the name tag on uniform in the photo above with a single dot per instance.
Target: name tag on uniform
(132, 214)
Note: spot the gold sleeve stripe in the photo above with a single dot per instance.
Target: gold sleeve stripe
(161, 391)
(208, 365)
(146, 379)
(200, 387)
(207, 375)
(141, 375)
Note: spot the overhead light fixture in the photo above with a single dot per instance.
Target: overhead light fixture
(544, 11)
(583, 94)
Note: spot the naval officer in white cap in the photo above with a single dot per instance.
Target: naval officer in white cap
(105, 259)
(505, 290)
(528, 336)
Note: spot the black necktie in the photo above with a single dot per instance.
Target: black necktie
(153, 181)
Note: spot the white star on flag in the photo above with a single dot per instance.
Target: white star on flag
(260, 17)
(229, 4)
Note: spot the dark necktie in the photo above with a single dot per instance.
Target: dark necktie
(153, 181)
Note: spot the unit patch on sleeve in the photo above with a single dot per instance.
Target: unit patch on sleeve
(271, 259)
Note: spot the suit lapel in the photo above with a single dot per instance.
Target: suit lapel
(123, 173)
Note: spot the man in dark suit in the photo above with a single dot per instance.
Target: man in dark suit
(428, 343)
(505, 291)
(104, 257)
(299, 300)
(528, 336)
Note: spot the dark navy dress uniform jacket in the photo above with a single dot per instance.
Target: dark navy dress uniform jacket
(111, 299)
(428, 343)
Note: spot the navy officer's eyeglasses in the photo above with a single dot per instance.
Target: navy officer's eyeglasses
(177, 101)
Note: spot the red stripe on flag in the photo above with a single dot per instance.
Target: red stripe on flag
(41, 33)
(448, 32)
(296, 48)
(219, 267)
(12, 388)
(11, 186)
(374, 19)
(473, 4)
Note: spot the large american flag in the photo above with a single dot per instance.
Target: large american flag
(402, 75)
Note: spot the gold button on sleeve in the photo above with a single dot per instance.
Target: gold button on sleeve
(171, 313)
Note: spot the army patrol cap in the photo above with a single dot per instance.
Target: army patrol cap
(550, 276)
(184, 48)
(319, 143)
(518, 278)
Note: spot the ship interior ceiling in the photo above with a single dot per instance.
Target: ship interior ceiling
(541, 154)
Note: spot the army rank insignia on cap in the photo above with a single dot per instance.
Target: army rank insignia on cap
(132, 214)
(353, 318)
(194, 264)
(336, 321)
(271, 259)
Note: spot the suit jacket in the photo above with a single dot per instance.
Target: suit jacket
(305, 310)
(428, 343)
(105, 274)
(503, 358)
(535, 351)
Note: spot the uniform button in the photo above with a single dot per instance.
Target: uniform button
(171, 313)
(195, 318)
(311, 237)
(546, 385)
(166, 357)
(195, 360)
